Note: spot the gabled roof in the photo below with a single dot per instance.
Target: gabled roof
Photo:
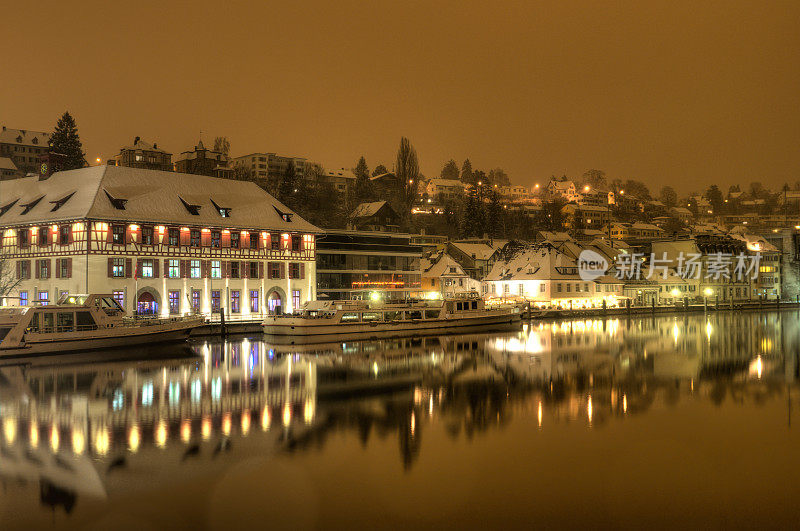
(481, 251)
(25, 137)
(365, 210)
(537, 262)
(441, 267)
(141, 145)
(7, 164)
(147, 196)
(446, 182)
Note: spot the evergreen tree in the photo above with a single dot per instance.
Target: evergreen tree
(494, 215)
(471, 224)
(287, 188)
(408, 175)
(450, 170)
(466, 173)
(66, 142)
(714, 197)
(363, 186)
(380, 169)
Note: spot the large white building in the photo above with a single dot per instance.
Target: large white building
(160, 242)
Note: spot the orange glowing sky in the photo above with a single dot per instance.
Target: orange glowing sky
(669, 93)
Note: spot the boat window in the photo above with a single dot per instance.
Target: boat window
(371, 316)
(66, 321)
(474, 305)
(450, 307)
(432, 314)
(459, 306)
(84, 320)
(47, 322)
(34, 325)
(349, 317)
(414, 314)
(392, 316)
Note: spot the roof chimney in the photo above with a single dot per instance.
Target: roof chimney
(136, 140)
(155, 146)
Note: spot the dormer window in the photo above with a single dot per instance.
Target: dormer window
(192, 209)
(27, 208)
(285, 216)
(35, 140)
(117, 203)
(8, 206)
(60, 202)
(223, 211)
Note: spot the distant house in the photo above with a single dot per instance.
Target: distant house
(587, 215)
(565, 189)
(443, 190)
(23, 147)
(376, 216)
(144, 156)
(342, 180)
(442, 275)
(681, 213)
(475, 257)
(388, 185)
(203, 161)
(8, 170)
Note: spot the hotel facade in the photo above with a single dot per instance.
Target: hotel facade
(160, 242)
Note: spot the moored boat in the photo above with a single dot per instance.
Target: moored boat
(83, 322)
(318, 320)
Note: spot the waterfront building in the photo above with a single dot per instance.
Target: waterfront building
(143, 156)
(164, 243)
(367, 265)
(23, 147)
(443, 276)
(475, 256)
(204, 161)
(547, 276)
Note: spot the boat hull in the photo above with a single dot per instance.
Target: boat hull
(291, 330)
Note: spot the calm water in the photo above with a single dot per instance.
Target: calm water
(654, 422)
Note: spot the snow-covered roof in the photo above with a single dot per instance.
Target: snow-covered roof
(25, 137)
(562, 185)
(365, 210)
(141, 145)
(540, 262)
(7, 164)
(145, 196)
(446, 182)
(481, 251)
(441, 267)
(341, 172)
(644, 226)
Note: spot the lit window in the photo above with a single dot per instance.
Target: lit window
(44, 298)
(253, 301)
(194, 268)
(174, 269)
(147, 268)
(118, 267)
(235, 301)
(174, 301)
(23, 298)
(215, 238)
(119, 296)
(196, 300)
(216, 269)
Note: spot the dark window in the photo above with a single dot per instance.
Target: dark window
(275, 240)
(234, 269)
(215, 238)
(44, 268)
(195, 238)
(147, 235)
(22, 237)
(254, 240)
(118, 234)
(296, 243)
(274, 270)
(174, 237)
(24, 269)
(294, 270)
(235, 240)
(253, 270)
(42, 236)
(63, 234)
(215, 300)
(63, 268)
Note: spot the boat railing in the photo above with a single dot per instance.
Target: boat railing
(63, 328)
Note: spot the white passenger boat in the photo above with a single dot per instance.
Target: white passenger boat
(323, 319)
(83, 322)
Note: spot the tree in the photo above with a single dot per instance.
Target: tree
(550, 217)
(450, 170)
(494, 215)
(287, 188)
(636, 188)
(363, 186)
(499, 177)
(242, 172)
(8, 276)
(466, 173)
(380, 169)
(222, 145)
(479, 178)
(66, 143)
(757, 190)
(714, 197)
(668, 196)
(596, 179)
(472, 221)
(408, 175)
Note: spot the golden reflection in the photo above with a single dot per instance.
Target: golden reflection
(413, 423)
(10, 430)
(205, 428)
(78, 441)
(226, 423)
(266, 419)
(161, 433)
(308, 412)
(134, 438)
(245, 422)
(589, 409)
(186, 430)
(34, 438)
(287, 414)
(102, 441)
(55, 438)
(539, 413)
(624, 403)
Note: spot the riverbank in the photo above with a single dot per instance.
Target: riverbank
(661, 310)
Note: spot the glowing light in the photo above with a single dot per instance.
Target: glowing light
(10, 430)
(226, 423)
(34, 437)
(308, 411)
(675, 292)
(708, 292)
(78, 441)
(186, 431)
(375, 296)
(245, 422)
(102, 441)
(624, 403)
(375, 368)
(266, 419)
(589, 409)
(55, 439)
(413, 423)
(161, 434)
(205, 428)
(287, 414)
(539, 414)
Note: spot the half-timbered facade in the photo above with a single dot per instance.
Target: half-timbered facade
(164, 243)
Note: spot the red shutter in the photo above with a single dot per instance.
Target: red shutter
(128, 234)
(226, 239)
(128, 267)
(155, 268)
(110, 234)
(185, 236)
(283, 270)
(205, 239)
(262, 242)
(184, 268)
(19, 269)
(70, 237)
(261, 270)
(138, 273)
(57, 272)
(166, 268)
(302, 270)
(245, 267)
(37, 268)
(69, 267)
(28, 273)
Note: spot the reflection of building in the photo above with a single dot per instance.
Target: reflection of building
(356, 264)
(160, 242)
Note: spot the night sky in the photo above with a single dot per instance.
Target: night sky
(669, 93)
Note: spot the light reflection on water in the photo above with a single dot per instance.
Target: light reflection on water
(85, 434)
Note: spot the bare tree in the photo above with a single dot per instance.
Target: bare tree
(222, 145)
(8, 277)
(407, 174)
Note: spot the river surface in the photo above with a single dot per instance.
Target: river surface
(642, 422)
